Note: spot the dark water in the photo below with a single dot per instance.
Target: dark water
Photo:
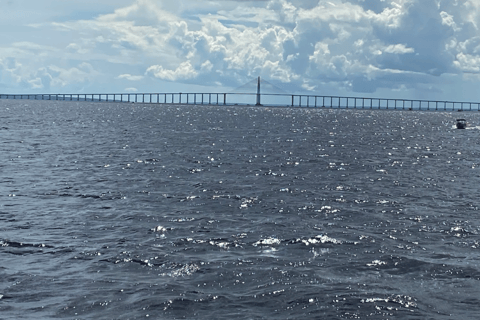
(122, 211)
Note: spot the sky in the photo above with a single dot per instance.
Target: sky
(406, 49)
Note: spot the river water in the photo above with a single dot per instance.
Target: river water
(128, 211)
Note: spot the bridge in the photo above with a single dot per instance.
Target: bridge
(259, 99)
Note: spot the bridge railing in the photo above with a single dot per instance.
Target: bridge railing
(281, 100)
(381, 103)
(159, 98)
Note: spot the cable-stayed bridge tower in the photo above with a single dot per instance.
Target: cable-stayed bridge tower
(258, 87)
(258, 93)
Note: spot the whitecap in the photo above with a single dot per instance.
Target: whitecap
(369, 300)
(267, 242)
(186, 270)
(319, 239)
(159, 229)
(405, 301)
(327, 239)
(376, 263)
(222, 244)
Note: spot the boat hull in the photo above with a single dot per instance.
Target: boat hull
(461, 124)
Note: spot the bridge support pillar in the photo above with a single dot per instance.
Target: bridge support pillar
(258, 93)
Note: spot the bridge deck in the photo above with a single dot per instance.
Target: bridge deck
(282, 100)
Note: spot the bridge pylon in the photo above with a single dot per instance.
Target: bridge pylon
(258, 93)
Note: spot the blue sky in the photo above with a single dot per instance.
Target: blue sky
(422, 49)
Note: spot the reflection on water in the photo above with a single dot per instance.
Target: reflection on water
(124, 211)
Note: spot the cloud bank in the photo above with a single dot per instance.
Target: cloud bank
(355, 46)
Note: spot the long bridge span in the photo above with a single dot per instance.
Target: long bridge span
(263, 99)
(259, 99)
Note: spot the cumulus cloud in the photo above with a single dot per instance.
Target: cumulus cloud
(130, 77)
(330, 41)
(398, 49)
(357, 45)
(468, 62)
(182, 72)
(11, 71)
(82, 73)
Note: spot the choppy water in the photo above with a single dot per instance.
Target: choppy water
(123, 211)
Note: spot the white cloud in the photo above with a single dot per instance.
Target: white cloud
(398, 49)
(354, 45)
(36, 83)
(207, 66)
(61, 77)
(31, 46)
(472, 8)
(184, 71)
(130, 77)
(447, 20)
(468, 63)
